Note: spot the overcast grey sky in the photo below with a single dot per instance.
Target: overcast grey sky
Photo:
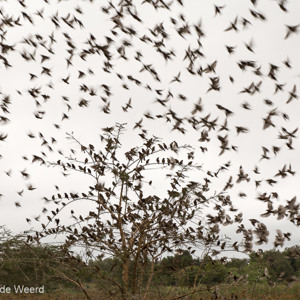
(269, 47)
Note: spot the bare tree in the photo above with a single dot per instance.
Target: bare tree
(129, 223)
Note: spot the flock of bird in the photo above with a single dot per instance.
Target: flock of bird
(118, 45)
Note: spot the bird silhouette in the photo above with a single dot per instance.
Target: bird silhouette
(207, 82)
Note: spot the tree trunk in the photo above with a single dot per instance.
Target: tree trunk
(125, 278)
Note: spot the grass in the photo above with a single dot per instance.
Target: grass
(248, 292)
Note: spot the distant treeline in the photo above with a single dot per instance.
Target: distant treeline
(54, 267)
